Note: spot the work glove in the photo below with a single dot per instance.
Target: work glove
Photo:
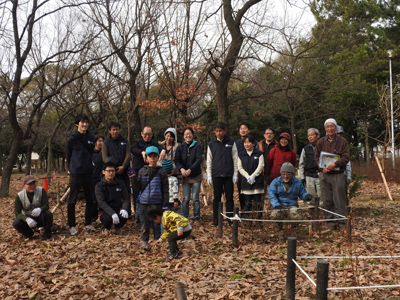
(115, 219)
(303, 181)
(251, 180)
(31, 222)
(308, 197)
(209, 180)
(36, 212)
(124, 214)
(235, 179)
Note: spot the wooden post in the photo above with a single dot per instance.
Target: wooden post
(235, 228)
(220, 220)
(348, 224)
(383, 177)
(180, 291)
(322, 280)
(291, 269)
(316, 213)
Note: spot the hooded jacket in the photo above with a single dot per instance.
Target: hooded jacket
(189, 157)
(79, 152)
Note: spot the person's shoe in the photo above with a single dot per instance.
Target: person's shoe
(145, 246)
(73, 231)
(169, 257)
(197, 220)
(105, 231)
(89, 228)
(179, 254)
(118, 231)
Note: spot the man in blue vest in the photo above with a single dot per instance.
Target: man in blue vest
(32, 209)
(222, 170)
(308, 168)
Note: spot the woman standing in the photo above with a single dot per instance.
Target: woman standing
(250, 165)
(188, 158)
(280, 154)
(170, 145)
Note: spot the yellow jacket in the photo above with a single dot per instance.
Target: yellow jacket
(173, 222)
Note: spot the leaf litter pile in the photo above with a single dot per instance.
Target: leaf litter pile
(99, 266)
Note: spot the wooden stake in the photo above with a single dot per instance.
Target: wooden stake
(384, 178)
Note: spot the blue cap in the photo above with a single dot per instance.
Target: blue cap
(167, 166)
(152, 149)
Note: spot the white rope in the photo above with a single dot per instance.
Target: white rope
(332, 212)
(236, 218)
(347, 257)
(309, 278)
(363, 287)
(269, 210)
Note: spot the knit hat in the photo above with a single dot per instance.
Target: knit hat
(339, 129)
(167, 166)
(288, 168)
(286, 136)
(171, 131)
(330, 120)
(152, 149)
(29, 179)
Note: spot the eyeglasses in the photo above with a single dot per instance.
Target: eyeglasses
(286, 174)
(109, 171)
(268, 133)
(147, 134)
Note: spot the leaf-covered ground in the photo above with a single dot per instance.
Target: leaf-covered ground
(98, 266)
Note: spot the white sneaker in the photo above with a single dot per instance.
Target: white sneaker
(73, 231)
(105, 231)
(89, 228)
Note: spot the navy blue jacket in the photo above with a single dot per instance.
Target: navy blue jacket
(138, 147)
(79, 153)
(117, 148)
(155, 192)
(112, 196)
(189, 157)
(98, 166)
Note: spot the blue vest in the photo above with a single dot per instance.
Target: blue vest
(116, 148)
(222, 161)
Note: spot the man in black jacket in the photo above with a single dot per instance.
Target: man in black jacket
(79, 151)
(113, 199)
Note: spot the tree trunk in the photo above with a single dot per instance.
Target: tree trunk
(12, 159)
(222, 100)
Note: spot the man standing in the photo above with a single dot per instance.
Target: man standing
(116, 149)
(308, 169)
(32, 209)
(222, 169)
(265, 146)
(113, 199)
(138, 149)
(331, 177)
(80, 148)
(244, 130)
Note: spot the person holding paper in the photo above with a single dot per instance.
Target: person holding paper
(331, 177)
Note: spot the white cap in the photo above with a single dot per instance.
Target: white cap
(330, 120)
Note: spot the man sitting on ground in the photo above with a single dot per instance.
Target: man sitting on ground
(283, 193)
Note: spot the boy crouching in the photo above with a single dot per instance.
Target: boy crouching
(176, 227)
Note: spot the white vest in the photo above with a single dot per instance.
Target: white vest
(27, 205)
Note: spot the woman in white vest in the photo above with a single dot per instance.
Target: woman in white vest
(32, 209)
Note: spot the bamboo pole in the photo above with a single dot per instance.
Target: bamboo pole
(384, 178)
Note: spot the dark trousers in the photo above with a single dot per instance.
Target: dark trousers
(258, 205)
(95, 208)
(107, 221)
(44, 220)
(222, 184)
(242, 201)
(125, 178)
(75, 183)
(173, 237)
(147, 224)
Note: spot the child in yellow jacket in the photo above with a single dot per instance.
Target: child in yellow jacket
(176, 227)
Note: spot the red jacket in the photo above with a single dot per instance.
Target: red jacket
(277, 156)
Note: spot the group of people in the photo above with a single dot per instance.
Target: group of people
(102, 167)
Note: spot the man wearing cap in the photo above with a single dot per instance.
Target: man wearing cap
(152, 183)
(32, 209)
(80, 146)
(283, 193)
(331, 177)
(308, 169)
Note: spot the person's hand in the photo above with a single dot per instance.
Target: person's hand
(209, 180)
(119, 170)
(331, 167)
(188, 171)
(180, 233)
(158, 243)
(115, 219)
(251, 180)
(144, 156)
(303, 181)
(162, 155)
(36, 212)
(348, 180)
(308, 197)
(176, 204)
(234, 179)
(183, 172)
(31, 222)
(124, 214)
